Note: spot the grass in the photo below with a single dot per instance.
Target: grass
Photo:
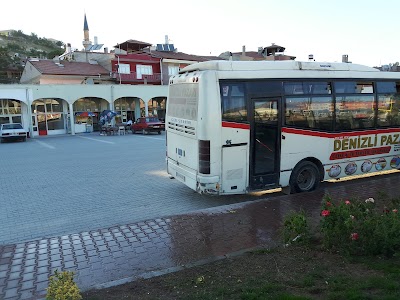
(284, 273)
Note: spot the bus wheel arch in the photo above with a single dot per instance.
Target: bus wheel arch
(306, 176)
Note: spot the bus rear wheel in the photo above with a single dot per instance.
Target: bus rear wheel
(305, 177)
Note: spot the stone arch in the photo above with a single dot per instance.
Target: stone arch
(49, 116)
(157, 107)
(13, 111)
(128, 108)
(86, 113)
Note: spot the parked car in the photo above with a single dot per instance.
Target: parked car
(12, 131)
(147, 124)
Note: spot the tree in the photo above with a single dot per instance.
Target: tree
(55, 53)
(394, 66)
(18, 33)
(34, 37)
(5, 59)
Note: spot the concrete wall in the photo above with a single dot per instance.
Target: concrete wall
(30, 74)
(73, 92)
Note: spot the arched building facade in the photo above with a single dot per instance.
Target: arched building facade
(60, 109)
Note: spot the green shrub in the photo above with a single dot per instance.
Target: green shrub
(357, 227)
(296, 228)
(63, 287)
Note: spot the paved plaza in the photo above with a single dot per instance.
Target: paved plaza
(104, 207)
(66, 184)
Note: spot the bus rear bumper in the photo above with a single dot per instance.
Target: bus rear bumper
(208, 184)
(182, 174)
(202, 184)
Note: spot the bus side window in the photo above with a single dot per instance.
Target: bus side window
(388, 103)
(296, 113)
(388, 110)
(309, 112)
(233, 102)
(353, 112)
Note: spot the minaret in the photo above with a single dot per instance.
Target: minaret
(86, 42)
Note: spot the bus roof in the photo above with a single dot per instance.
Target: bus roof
(223, 65)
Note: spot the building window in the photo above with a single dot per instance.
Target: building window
(173, 70)
(143, 70)
(10, 107)
(10, 111)
(124, 69)
(87, 104)
(48, 115)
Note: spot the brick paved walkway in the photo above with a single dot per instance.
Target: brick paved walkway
(123, 253)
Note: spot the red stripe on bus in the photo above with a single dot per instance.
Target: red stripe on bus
(360, 152)
(334, 135)
(235, 125)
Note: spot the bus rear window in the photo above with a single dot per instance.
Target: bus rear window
(233, 102)
(183, 100)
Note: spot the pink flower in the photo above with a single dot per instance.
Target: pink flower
(325, 213)
(354, 236)
(347, 202)
(394, 210)
(328, 203)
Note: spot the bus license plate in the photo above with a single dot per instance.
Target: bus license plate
(178, 175)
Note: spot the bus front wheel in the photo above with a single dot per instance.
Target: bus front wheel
(305, 177)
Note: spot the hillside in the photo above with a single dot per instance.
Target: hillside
(16, 47)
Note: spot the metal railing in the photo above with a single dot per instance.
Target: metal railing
(133, 77)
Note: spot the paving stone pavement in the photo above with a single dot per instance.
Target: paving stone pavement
(118, 254)
(65, 184)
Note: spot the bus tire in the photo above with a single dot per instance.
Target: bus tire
(305, 177)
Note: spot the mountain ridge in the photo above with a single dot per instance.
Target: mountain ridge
(16, 47)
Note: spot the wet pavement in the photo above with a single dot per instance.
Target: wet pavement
(119, 254)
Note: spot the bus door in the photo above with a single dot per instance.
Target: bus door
(264, 143)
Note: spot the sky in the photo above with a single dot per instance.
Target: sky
(365, 30)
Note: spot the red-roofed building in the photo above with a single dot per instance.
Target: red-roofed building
(47, 71)
(171, 62)
(136, 68)
(140, 63)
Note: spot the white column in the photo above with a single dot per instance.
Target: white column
(137, 109)
(29, 105)
(146, 109)
(72, 118)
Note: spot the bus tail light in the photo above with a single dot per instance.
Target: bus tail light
(204, 157)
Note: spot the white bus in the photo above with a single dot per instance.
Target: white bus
(235, 127)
